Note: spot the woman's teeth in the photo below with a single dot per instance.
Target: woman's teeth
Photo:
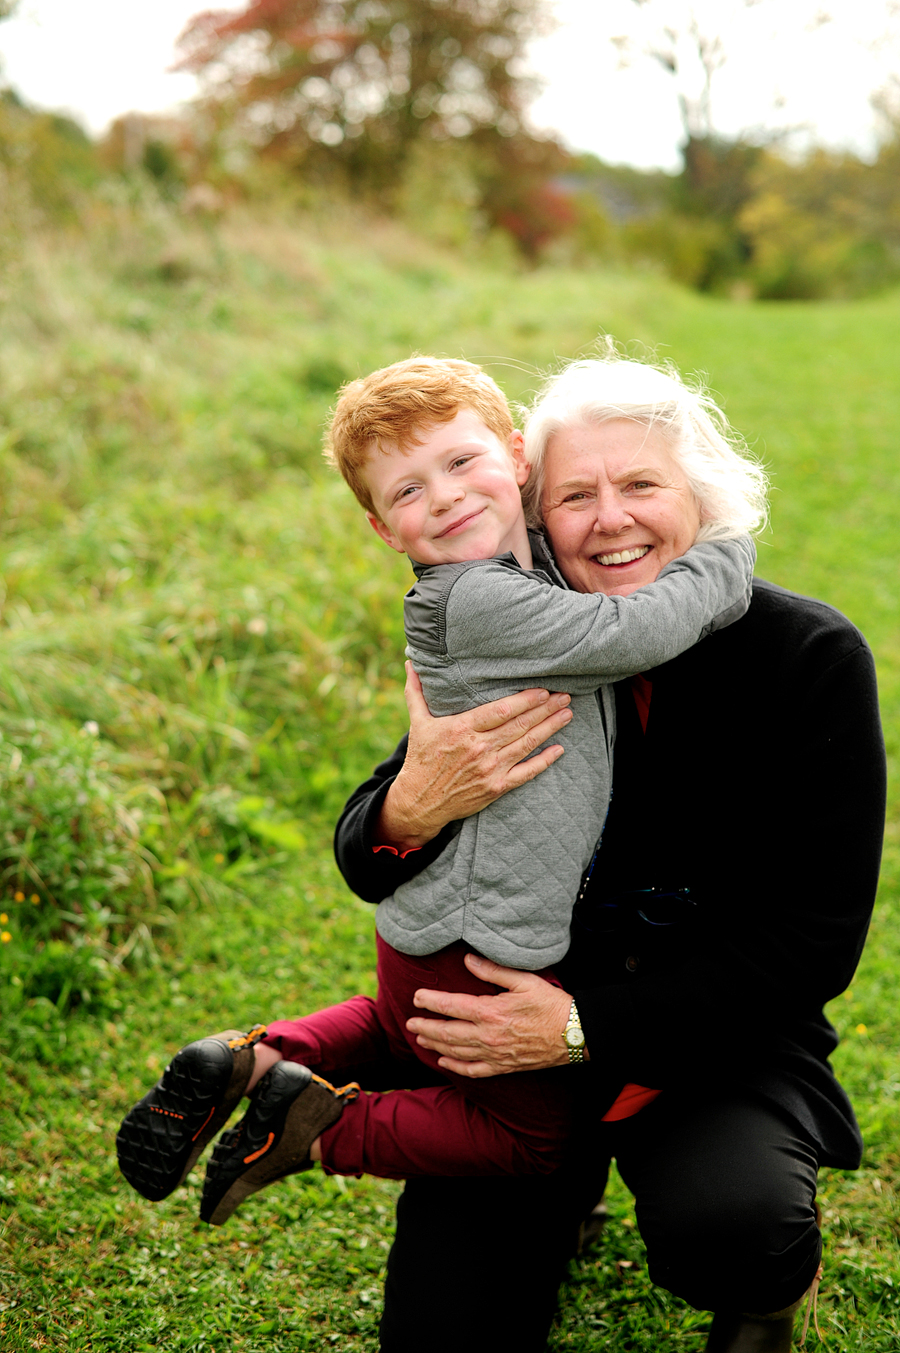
(625, 557)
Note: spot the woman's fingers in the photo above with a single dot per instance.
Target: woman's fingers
(517, 739)
(502, 755)
(523, 771)
(457, 765)
(474, 1070)
(445, 1035)
(455, 1005)
(415, 699)
(449, 1037)
(514, 979)
(516, 715)
(518, 1030)
(520, 713)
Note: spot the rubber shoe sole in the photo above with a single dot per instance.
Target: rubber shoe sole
(291, 1106)
(163, 1136)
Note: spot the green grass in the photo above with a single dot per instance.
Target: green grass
(179, 571)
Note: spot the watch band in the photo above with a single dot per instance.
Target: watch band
(573, 1036)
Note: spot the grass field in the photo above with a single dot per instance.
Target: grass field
(197, 624)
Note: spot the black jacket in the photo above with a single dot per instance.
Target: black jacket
(760, 786)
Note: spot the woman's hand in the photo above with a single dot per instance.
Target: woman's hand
(457, 765)
(519, 1030)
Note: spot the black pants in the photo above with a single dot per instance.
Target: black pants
(724, 1192)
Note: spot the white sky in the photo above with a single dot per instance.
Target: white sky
(783, 70)
(99, 58)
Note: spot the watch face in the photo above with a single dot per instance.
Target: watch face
(574, 1038)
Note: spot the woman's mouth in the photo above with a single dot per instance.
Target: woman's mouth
(615, 557)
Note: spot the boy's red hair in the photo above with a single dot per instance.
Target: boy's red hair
(394, 406)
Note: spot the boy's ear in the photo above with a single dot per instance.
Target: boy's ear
(385, 532)
(517, 451)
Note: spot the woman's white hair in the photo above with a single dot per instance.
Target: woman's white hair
(728, 485)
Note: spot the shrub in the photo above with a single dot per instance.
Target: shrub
(73, 874)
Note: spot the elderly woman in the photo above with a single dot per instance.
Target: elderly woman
(728, 902)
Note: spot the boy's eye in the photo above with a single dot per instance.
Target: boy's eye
(460, 460)
(404, 493)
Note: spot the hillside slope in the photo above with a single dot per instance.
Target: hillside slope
(197, 619)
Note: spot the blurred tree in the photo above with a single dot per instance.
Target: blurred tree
(357, 84)
(520, 190)
(706, 244)
(45, 158)
(828, 226)
(160, 145)
(338, 72)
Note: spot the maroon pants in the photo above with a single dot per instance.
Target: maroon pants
(515, 1124)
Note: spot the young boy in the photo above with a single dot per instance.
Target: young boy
(429, 448)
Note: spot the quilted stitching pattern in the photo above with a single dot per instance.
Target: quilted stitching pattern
(508, 880)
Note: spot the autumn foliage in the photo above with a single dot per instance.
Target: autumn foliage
(351, 85)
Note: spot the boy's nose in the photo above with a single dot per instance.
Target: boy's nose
(444, 495)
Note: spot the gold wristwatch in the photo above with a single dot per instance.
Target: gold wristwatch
(573, 1036)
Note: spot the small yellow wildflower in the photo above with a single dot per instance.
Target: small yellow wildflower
(3, 918)
(5, 937)
(20, 897)
(35, 899)
(219, 859)
(861, 1029)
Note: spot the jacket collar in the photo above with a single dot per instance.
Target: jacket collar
(542, 560)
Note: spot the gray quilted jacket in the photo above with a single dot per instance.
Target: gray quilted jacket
(480, 630)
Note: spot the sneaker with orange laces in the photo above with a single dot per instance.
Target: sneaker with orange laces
(288, 1110)
(162, 1137)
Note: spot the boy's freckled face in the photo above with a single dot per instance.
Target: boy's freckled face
(453, 497)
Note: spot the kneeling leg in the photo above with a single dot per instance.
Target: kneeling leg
(725, 1199)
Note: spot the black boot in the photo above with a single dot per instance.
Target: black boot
(591, 1229)
(162, 1137)
(738, 1332)
(732, 1332)
(289, 1108)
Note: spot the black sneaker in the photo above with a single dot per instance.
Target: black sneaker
(290, 1107)
(163, 1135)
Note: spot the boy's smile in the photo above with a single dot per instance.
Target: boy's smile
(452, 497)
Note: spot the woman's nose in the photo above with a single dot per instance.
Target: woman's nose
(611, 513)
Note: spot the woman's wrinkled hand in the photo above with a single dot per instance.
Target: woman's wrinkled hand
(519, 1030)
(457, 765)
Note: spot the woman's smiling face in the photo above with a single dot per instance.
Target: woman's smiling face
(616, 505)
